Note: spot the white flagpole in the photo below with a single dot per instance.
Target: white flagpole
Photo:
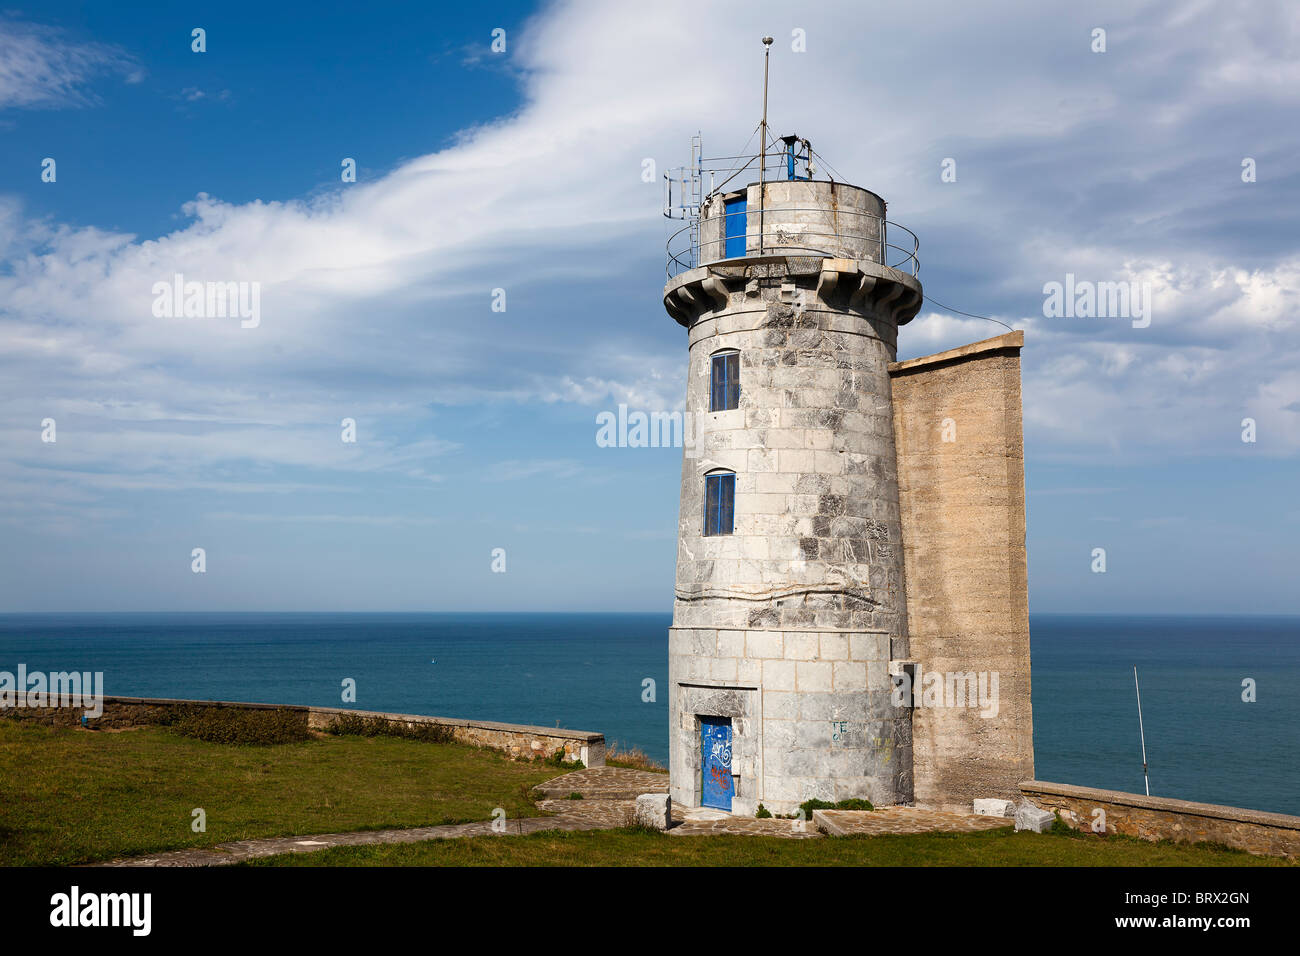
(1142, 732)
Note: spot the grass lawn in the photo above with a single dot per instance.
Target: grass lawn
(72, 796)
(632, 847)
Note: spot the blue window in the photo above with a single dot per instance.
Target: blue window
(734, 214)
(719, 503)
(724, 384)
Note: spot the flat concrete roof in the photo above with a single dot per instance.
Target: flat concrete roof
(1011, 340)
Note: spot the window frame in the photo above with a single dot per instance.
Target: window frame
(735, 225)
(730, 384)
(725, 484)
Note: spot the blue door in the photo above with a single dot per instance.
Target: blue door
(734, 210)
(715, 762)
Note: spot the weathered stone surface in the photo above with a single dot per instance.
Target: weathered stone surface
(1162, 818)
(824, 724)
(900, 820)
(1030, 817)
(995, 808)
(845, 489)
(654, 810)
(517, 740)
(605, 783)
(812, 448)
(957, 418)
(805, 600)
(804, 223)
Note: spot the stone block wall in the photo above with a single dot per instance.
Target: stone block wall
(799, 218)
(817, 524)
(834, 219)
(1162, 818)
(957, 417)
(517, 740)
(787, 625)
(811, 715)
(124, 713)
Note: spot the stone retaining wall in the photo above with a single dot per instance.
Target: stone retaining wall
(1162, 818)
(517, 740)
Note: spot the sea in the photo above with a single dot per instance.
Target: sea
(608, 672)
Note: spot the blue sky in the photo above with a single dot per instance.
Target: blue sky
(522, 170)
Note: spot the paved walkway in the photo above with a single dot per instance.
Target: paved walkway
(608, 803)
(605, 783)
(694, 823)
(903, 820)
(224, 854)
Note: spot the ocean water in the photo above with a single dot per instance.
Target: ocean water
(588, 672)
(1203, 741)
(578, 671)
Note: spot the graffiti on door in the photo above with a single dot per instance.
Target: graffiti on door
(717, 786)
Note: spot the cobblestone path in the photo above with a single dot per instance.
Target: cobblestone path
(903, 820)
(605, 783)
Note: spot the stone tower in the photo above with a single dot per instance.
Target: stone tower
(790, 599)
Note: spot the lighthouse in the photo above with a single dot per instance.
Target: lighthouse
(790, 596)
(790, 663)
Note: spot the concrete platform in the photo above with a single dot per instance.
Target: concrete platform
(902, 820)
(604, 783)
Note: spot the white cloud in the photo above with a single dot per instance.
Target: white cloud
(516, 470)
(41, 69)
(386, 282)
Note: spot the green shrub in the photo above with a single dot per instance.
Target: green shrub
(1061, 828)
(763, 813)
(854, 805)
(808, 806)
(575, 796)
(237, 725)
(357, 725)
(557, 760)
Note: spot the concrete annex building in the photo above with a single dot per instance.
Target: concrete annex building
(849, 524)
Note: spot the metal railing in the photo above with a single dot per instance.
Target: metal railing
(787, 230)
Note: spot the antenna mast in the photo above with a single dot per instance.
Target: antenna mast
(1145, 778)
(762, 143)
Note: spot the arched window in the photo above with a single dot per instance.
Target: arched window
(724, 382)
(719, 502)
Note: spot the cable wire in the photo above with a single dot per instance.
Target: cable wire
(734, 171)
(835, 173)
(971, 315)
